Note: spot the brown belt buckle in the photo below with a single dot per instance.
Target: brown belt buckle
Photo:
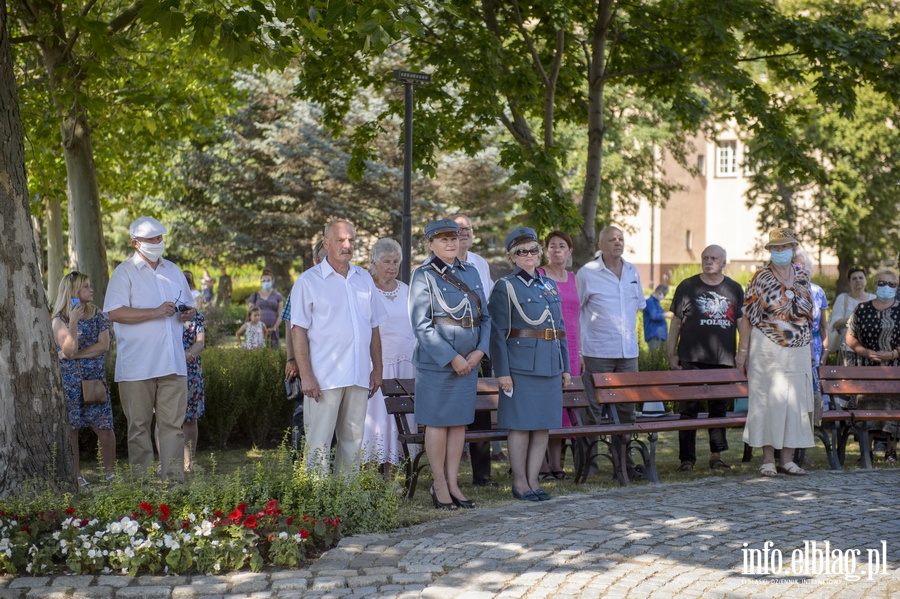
(549, 334)
(466, 322)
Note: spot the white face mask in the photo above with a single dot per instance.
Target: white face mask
(152, 251)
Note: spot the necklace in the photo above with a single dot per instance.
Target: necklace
(392, 294)
(788, 282)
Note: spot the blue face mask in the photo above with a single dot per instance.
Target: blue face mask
(885, 294)
(267, 285)
(781, 257)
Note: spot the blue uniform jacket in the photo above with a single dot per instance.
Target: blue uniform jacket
(526, 355)
(430, 297)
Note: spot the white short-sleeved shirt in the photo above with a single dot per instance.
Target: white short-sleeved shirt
(152, 348)
(609, 308)
(339, 315)
(484, 271)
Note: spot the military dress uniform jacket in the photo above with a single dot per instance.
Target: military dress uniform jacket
(435, 303)
(539, 300)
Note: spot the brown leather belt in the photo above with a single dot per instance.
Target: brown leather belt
(466, 322)
(545, 334)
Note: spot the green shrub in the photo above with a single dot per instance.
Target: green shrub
(245, 391)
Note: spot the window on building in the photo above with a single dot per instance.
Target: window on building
(701, 165)
(726, 159)
(688, 240)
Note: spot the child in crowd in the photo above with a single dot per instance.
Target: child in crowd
(253, 330)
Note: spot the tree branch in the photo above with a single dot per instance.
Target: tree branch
(768, 56)
(520, 26)
(127, 17)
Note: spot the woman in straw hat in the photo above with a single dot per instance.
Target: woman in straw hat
(776, 352)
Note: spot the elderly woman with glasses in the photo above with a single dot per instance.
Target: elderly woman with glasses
(448, 313)
(874, 334)
(531, 361)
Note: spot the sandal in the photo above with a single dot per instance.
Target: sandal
(718, 465)
(545, 476)
(768, 470)
(685, 467)
(559, 475)
(792, 469)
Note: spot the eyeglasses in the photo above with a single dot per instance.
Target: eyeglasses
(465, 228)
(890, 284)
(532, 251)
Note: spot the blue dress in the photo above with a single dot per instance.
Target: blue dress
(520, 302)
(196, 406)
(97, 416)
(437, 312)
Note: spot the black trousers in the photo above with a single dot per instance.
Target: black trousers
(718, 408)
(480, 453)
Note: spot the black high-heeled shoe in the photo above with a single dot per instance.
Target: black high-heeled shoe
(463, 503)
(438, 505)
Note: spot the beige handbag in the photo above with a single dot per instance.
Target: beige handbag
(93, 391)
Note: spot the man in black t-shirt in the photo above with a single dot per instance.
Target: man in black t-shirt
(703, 334)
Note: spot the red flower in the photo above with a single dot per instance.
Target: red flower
(84, 522)
(2, 514)
(272, 507)
(134, 515)
(217, 513)
(270, 537)
(304, 534)
(27, 529)
(235, 516)
(70, 511)
(242, 506)
(146, 508)
(250, 522)
(306, 518)
(164, 512)
(185, 525)
(291, 519)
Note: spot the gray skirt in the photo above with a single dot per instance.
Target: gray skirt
(443, 398)
(535, 405)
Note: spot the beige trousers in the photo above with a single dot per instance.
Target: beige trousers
(340, 412)
(167, 396)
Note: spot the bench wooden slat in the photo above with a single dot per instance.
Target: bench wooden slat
(860, 373)
(870, 387)
(690, 393)
(715, 376)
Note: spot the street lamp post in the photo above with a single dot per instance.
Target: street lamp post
(408, 79)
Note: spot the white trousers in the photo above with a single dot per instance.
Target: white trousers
(340, 412)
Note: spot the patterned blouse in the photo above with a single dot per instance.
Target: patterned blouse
(876, 330)
(783, 314)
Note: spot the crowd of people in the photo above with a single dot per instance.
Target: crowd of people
(348, 328)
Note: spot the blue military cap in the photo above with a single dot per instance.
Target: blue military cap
(520, 235)
(444, 225)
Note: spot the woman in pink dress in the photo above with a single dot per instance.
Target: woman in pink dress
(559, 253)
(380, 443)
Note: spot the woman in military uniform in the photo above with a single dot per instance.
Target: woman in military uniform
(531, 360)
(447, 309)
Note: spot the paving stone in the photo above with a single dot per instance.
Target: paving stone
(30, 582)
(144, 592)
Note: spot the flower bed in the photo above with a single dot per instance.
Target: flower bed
(153, 539)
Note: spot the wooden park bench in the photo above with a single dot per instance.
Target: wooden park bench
(612, 389)
(840, 424)
(399, 399)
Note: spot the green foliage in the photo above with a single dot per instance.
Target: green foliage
(245, 391)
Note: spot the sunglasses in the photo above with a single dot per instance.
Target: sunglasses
(74, 274)
(532, 251)
(890, 284)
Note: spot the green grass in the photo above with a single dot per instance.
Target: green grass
(419, 509)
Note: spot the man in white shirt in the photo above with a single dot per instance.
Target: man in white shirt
(480, 453)
(147, 299)
(335, 313)
(611, 295)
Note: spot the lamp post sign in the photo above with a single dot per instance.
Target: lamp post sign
(408, 79)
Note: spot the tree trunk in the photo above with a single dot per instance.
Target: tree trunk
(85, 227)
(281, 272)
(586, 239)
(33, 431)
(55, 248)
